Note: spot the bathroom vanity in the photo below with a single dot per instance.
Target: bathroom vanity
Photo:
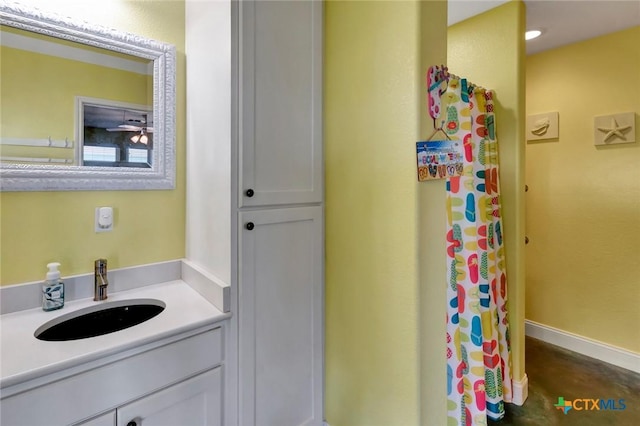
(255, 215)
(167, 370)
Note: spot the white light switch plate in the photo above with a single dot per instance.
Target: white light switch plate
(104, 219)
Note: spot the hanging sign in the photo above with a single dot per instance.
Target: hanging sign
(439, 159)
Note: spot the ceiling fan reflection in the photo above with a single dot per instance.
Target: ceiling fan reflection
(134, 125)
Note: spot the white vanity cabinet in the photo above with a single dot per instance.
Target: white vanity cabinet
(176, 381)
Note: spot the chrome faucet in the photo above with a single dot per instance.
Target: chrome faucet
(100, 280)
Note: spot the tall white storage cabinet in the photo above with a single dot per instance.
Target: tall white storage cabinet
(255, 197)
(280, 222)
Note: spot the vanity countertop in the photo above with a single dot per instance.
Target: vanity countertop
(25, 358)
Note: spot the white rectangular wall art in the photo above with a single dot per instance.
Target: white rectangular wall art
(542, 126)
(615, 128)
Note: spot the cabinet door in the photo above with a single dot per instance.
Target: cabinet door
(280, 318)
(280, 95)
(197, 401)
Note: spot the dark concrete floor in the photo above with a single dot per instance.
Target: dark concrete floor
(556, 372)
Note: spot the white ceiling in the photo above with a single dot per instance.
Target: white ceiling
(561, 21)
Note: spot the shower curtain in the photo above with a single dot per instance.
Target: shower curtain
(478, 353)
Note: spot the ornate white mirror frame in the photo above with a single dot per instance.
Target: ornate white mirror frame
(37, 177)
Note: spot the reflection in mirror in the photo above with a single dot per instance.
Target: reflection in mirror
(83, 107)
(114, 134)
(55, 72)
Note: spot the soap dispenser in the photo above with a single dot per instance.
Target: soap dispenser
(52, 289)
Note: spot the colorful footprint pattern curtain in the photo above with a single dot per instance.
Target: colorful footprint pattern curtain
(478, 353)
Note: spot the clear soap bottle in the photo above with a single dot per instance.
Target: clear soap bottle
(52, 289)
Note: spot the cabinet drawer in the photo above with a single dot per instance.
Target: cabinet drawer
(81, 396)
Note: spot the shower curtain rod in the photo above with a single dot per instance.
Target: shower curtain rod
(446, 75)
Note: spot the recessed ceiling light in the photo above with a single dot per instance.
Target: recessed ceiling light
(530, 35)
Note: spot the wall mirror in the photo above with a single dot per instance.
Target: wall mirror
(84, 107)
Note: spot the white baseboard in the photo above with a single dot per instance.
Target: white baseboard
(520, 390)
(592, 348)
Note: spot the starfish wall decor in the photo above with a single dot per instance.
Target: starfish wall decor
(617, 128)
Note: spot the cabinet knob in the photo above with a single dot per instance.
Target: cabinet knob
(249, 226)
(526, 240)
(249, 192)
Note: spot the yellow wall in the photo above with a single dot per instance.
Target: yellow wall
(583, 204)
(40, 227)
(376, 288)
(25, 114)
(489, 50)
(432, 232)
